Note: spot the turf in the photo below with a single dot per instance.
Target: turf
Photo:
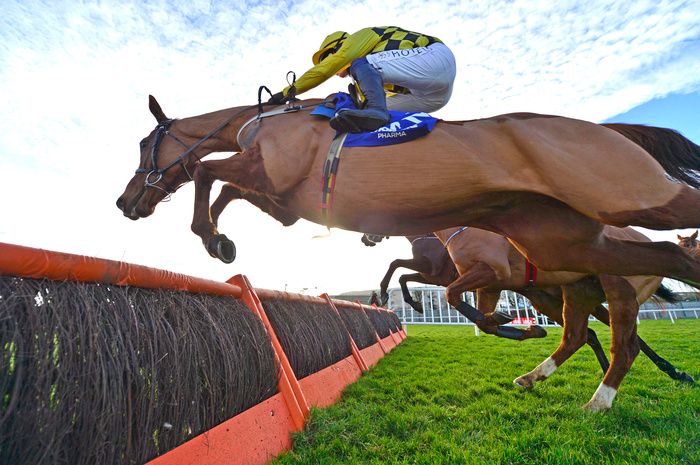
(445, 396)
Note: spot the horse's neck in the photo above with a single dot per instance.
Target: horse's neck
(201, 126)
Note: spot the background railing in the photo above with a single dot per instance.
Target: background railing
(436, 309)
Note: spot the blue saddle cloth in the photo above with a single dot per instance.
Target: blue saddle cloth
(402, 127)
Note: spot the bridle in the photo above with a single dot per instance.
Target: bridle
(154, 175)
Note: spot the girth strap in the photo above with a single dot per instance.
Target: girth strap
(530, 274)
(330, 170)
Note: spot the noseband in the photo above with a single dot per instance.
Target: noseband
(155, 174)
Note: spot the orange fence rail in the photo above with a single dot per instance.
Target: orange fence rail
(258, 434)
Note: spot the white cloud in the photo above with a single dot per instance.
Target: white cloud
(74, 78)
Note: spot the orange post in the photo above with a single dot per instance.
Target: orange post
(353, 346)
(289, 384)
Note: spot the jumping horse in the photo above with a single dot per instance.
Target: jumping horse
(476, 249)
(532, 178)
(487, 262)
(535, 179)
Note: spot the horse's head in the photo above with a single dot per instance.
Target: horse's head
(689, 242)
(166, 163)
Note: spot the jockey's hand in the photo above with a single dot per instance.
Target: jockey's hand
(277, 99)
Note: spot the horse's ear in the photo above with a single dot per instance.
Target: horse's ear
(695, 235)
(680, 238)
(154, 106)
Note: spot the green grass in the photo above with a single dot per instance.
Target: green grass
(445, 396)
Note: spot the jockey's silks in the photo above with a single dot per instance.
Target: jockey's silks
(362, 43)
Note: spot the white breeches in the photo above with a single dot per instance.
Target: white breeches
(428, 72)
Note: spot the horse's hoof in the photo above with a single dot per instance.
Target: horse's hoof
(222, 247)
(535, 332)
(524, 383)
(365, 240)
(417, 307)
(595, 407)
(685, 377)
(384, 297)
(500, 318)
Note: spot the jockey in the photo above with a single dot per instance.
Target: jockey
(417, 70)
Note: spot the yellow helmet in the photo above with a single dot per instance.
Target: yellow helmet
(329, 45)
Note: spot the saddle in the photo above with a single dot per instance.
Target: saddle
(402, 127)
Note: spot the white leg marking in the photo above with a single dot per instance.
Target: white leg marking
(602, 399)
(543, 371)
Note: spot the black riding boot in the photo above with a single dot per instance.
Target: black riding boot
(375, 114)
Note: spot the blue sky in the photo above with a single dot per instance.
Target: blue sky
(678, 111)
(75, 78)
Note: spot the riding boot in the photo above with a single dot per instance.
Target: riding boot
(375, 114)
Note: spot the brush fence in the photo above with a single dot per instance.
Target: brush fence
(111, 363)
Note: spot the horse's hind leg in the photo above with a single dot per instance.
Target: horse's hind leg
(574, 336)
(622, 299)
(419, 264)
(556, 237)
(403, 280)
(679, 213)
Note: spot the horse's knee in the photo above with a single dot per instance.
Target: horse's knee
(202, 175)
(576, 339)
(454, 295)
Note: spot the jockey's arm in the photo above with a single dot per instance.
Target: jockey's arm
(355, 46)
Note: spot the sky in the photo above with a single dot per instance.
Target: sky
(75, 79)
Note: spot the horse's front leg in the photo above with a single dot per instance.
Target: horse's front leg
(228, 193)
(622, 299)
(218, 245)
(551, 306)
(575, 314)
(482, 275)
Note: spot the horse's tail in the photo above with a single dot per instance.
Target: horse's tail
(666, 294)
(678, 155)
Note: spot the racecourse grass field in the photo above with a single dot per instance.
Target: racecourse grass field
(445, 396)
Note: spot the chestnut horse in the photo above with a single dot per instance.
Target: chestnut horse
(532, 178)
(546, 300)
(488, 262)
(690, 243)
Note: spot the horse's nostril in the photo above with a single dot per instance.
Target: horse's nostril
(120, 203)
